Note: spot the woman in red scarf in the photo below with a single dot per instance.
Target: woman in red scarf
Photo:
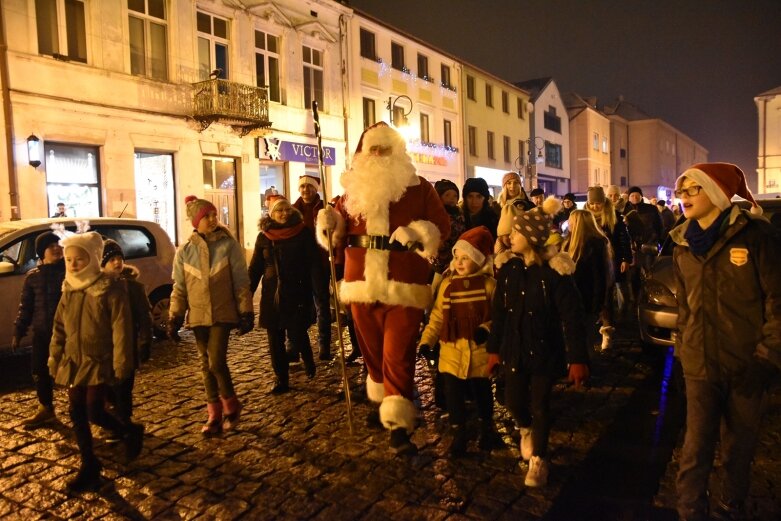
(286, 260)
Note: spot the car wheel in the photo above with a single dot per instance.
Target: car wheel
(160, 300)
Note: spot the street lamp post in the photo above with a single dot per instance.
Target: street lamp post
(534, 144)
(391, 106)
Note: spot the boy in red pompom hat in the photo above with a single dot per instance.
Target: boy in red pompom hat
(729, 332)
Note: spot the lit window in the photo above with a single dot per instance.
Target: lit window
(369, 113)
(424, 135)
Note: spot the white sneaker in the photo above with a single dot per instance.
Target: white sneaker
(538, 472)
(526, 443)
(607, 333)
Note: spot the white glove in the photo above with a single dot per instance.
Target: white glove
(326, 218)
(405, 235)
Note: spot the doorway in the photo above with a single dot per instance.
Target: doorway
(219, 183)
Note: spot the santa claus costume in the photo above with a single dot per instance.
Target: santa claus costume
(389, 222)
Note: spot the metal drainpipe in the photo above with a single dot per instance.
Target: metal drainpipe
(13, 184)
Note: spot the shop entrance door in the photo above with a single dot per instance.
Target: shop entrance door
(219, 183)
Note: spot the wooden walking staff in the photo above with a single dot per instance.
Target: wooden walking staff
(331, 261)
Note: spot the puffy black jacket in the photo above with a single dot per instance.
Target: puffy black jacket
(40, 295)
(537, 318)
(729, 301)
(593, 274)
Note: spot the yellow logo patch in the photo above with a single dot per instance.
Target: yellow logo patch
(738, 256)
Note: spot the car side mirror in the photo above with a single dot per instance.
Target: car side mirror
(649, 249)
(6, 267)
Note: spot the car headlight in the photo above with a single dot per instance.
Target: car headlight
(658, 294)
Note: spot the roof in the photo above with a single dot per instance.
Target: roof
(771, 92)
(535, 86)
(575, 103)
(626, 110)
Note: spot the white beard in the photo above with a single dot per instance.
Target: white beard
(373, 183)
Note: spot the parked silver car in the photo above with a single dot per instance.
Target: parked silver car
(145, 245)
(657, 309)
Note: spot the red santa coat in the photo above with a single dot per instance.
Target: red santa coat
(393, 277)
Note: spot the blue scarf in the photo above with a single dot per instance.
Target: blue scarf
(701, 241)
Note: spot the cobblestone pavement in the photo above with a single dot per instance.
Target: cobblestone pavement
(292, 456)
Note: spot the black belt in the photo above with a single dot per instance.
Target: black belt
(375, 242)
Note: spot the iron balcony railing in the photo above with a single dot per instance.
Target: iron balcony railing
(221, 99)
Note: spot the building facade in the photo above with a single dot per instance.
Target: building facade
(590, 142)
(769, 152)
(134, 105)
(496, 126)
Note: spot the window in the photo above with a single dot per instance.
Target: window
(505, 102)
(154, 176)
(148, 40)
(368, 45)
(506, 143)
(595, 142)
(399, 116)
(472, 131)
(490, 144)
(448, 133)
(369, 113)
(553, 155)
(424, 135)
(212, 47)
(622, 154)
(423, 68)
(604, 145)
(72, 177)
(267, 64)
(521, 155)
(470, 88)
(51, 16)
(445, 72)
(489, 95)
(551, 120)
(397, 57)
(313, 76)
(520, 108)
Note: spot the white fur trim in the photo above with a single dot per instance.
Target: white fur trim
(390, 292)
(429, 237)
(471, 252)
(375, 391)
(501, 258)
(551, 205)
(384, 136)
(322, 224)
(398, 412)
(309, 180)
(562, 263)
(756, 209)
(713, 190)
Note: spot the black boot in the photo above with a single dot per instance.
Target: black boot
(401, 444)
(134, 441)
(280, 387)
(458, 446)
(489, 438)
(88, 477)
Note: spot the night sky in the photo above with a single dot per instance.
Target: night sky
(696, 64)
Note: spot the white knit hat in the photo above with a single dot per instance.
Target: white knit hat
(92, 243)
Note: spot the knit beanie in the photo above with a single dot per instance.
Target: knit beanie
(443, 185)
(477, 243)
(596, 194)
(613, 189)
(309, 180)
(506, 219)
(43, 241)
(197, 209)
(535, 224)
(720, 182)
(476, 185)
(536, 192)
(273, 200)
(569, 197)
(510, 176)
(635, 189)
(111, 248)
(92, 243)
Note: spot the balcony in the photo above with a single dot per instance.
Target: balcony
(243, 107)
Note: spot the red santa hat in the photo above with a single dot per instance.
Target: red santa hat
(477, 243)
(381, 134)
(273, 200)
(720, 181)
(309, 180)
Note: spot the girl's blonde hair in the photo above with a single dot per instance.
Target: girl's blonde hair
(583, 227)
(606, 218)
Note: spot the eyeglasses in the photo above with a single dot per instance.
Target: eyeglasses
(691, 191)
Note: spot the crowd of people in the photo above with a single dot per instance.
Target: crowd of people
(503, 295)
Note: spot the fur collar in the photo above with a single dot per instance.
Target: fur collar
(562, 263)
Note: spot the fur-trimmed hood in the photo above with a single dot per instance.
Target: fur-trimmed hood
(129, 272)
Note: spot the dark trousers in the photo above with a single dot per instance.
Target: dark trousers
(123, 398)
(44, 385)
(300, 340)
(712, 407)
(212, 344)
(322, 299)
(527, 397)
(455, 398)
(88, 405)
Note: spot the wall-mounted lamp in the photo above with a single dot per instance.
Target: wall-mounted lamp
(34, 151)
(391, 106)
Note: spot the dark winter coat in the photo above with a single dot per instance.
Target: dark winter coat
(729, 301)
(140, 310)
(457, 227)
(593, 274)
(286, 270)
(651, 231)
(40, 295)
(537, 314)
(620, 242)
(485, 217)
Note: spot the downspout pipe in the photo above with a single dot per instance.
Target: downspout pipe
(13, 183)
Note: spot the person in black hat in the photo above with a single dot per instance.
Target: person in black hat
(476, 206)
(567, 205)
(537, 196)
(448, 194)
(38, 303)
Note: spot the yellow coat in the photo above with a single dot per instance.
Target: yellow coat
(462, 358)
